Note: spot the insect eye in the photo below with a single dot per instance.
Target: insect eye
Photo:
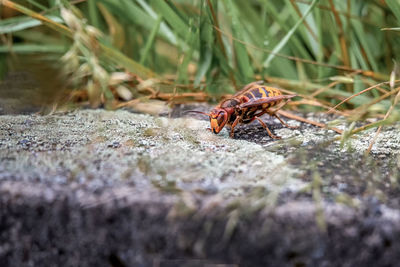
(221, 117)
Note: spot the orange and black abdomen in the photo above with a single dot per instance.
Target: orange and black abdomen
(258, 92)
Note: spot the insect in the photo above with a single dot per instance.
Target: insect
(246, 106)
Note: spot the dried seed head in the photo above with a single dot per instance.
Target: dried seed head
(100, 74)
(342, 79)
(146, 83)
(83, 70)
(392, 79)
(70, 60)
(393, 74)
(124, 93)
(69, 55)
(119, 77)
(70, 19)
(82, 38)
(94, 93)
(93, 31)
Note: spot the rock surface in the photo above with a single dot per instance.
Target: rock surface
(101, 188)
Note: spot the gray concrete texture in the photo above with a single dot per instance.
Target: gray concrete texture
(101, 188)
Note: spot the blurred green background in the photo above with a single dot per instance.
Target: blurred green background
(111, 52)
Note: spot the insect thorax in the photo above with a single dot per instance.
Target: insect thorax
(230, 103)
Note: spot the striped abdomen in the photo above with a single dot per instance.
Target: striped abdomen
(258, 92)
(255, 93)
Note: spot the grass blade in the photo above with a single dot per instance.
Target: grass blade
(32, 48)
(395, 8)
(207, 40)
(111, 53)
(243, 61)
(22, 23)
(93, 14)
(190, 40)
(116, 30)
(173, 19)
(150, 40)
(47, 21)
(285, 39)
(164, 29)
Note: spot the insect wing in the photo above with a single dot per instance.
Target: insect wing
(264, 100)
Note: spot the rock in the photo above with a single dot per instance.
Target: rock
(95, 187)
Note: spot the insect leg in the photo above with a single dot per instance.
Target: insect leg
(284, 123)
(266, 128)
(280, 105)
(234, 125)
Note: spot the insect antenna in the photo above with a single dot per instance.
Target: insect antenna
(196, 111)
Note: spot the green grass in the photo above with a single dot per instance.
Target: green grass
(213, 47)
